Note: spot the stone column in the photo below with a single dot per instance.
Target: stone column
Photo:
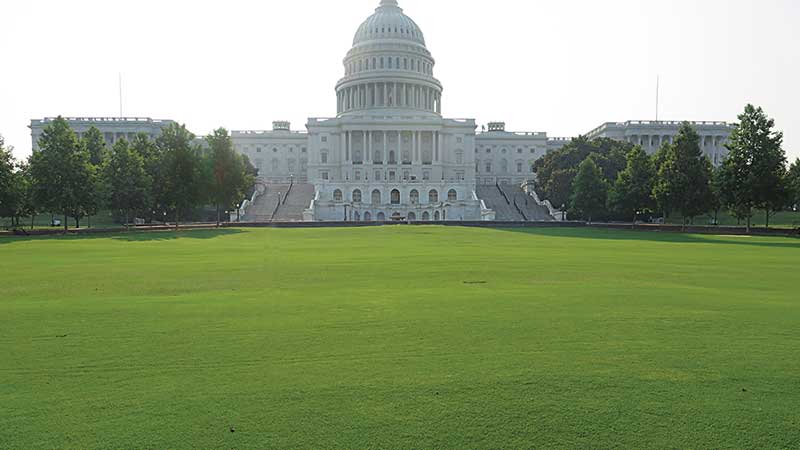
(364, 149)
(385, 149)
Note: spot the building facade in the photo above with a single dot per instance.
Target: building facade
(389, 154)
(112, 128)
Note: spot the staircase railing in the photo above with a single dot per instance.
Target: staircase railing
(521, 211)
(288, 191)
(503, 192)
(277, 207)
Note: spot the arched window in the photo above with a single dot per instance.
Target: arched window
(378, 157)
(324, 157)
(367, 216)
(395, 197)
(504, 166)
(376, 197)
(392, 157)
(414, 197)
(433, 196)
(337, 196)
(357, 196)
(292, 166)
(357, 217)
(275, 163)
(519, 166)
(412, 217)
(436, 216)
(426, 217)
(452, 196)
(381, 217)
(459, 157)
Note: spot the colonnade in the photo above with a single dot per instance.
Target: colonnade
(389, 94)
(383, 147)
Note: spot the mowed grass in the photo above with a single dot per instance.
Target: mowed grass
(400, 337)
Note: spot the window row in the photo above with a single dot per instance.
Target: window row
(489, 166)
(389, 62)
(394, 196)
(412, 216)
(504, 150)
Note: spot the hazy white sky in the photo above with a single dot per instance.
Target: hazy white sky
(560, 66)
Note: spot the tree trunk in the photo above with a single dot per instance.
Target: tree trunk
(66, 218)
(633, 224)
(77, 223)
(767, 221)
(218, 215)
(683, 224)
(177, 218)
(89, 221)
(748, 224)
(33, 217)
(127, 222)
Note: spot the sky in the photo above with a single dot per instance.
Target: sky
(559, 66)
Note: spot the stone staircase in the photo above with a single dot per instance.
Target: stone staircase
(298, 200)
(511, 204)
(262, 209)
(494, 200)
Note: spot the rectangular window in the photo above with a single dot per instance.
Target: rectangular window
(488, 167)
(325, 176)
(426, 175)
(392, 176)
(358, 175)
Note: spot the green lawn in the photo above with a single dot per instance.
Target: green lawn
(399, 337)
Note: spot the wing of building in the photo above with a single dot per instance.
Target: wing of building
(389, 154)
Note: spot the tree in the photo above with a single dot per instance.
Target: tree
(683, 181)
(180, 182)
(556, 171)
(793, 180)
(230, 178)
(755, 167)
(152, 159)
(96, 146)
(128, 183)
(63, 178)
(633, 190)
(15, 200)
(589, 190)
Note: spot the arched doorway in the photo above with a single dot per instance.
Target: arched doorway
(367, 217)
(436, 216)
(426, 217)
(381, 217)
(412, 217)
(397, 217)
(357, 217)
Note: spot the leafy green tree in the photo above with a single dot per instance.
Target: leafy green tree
(632, 192)
(589, 190)
(683, 181)
(95, 144)
(14, 186)
(179, 182)
(152, 159)
(755, 167)
(556, 171)
(793, 180)
(63, 177)
(230, 178)
(127, 180)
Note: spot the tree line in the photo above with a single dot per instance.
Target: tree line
(169, 177)
(604, 179)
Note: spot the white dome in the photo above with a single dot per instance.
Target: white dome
(389, 22)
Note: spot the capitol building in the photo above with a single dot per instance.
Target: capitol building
(389, 154)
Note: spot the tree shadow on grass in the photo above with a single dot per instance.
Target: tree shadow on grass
(130, 236)
(660, 236)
